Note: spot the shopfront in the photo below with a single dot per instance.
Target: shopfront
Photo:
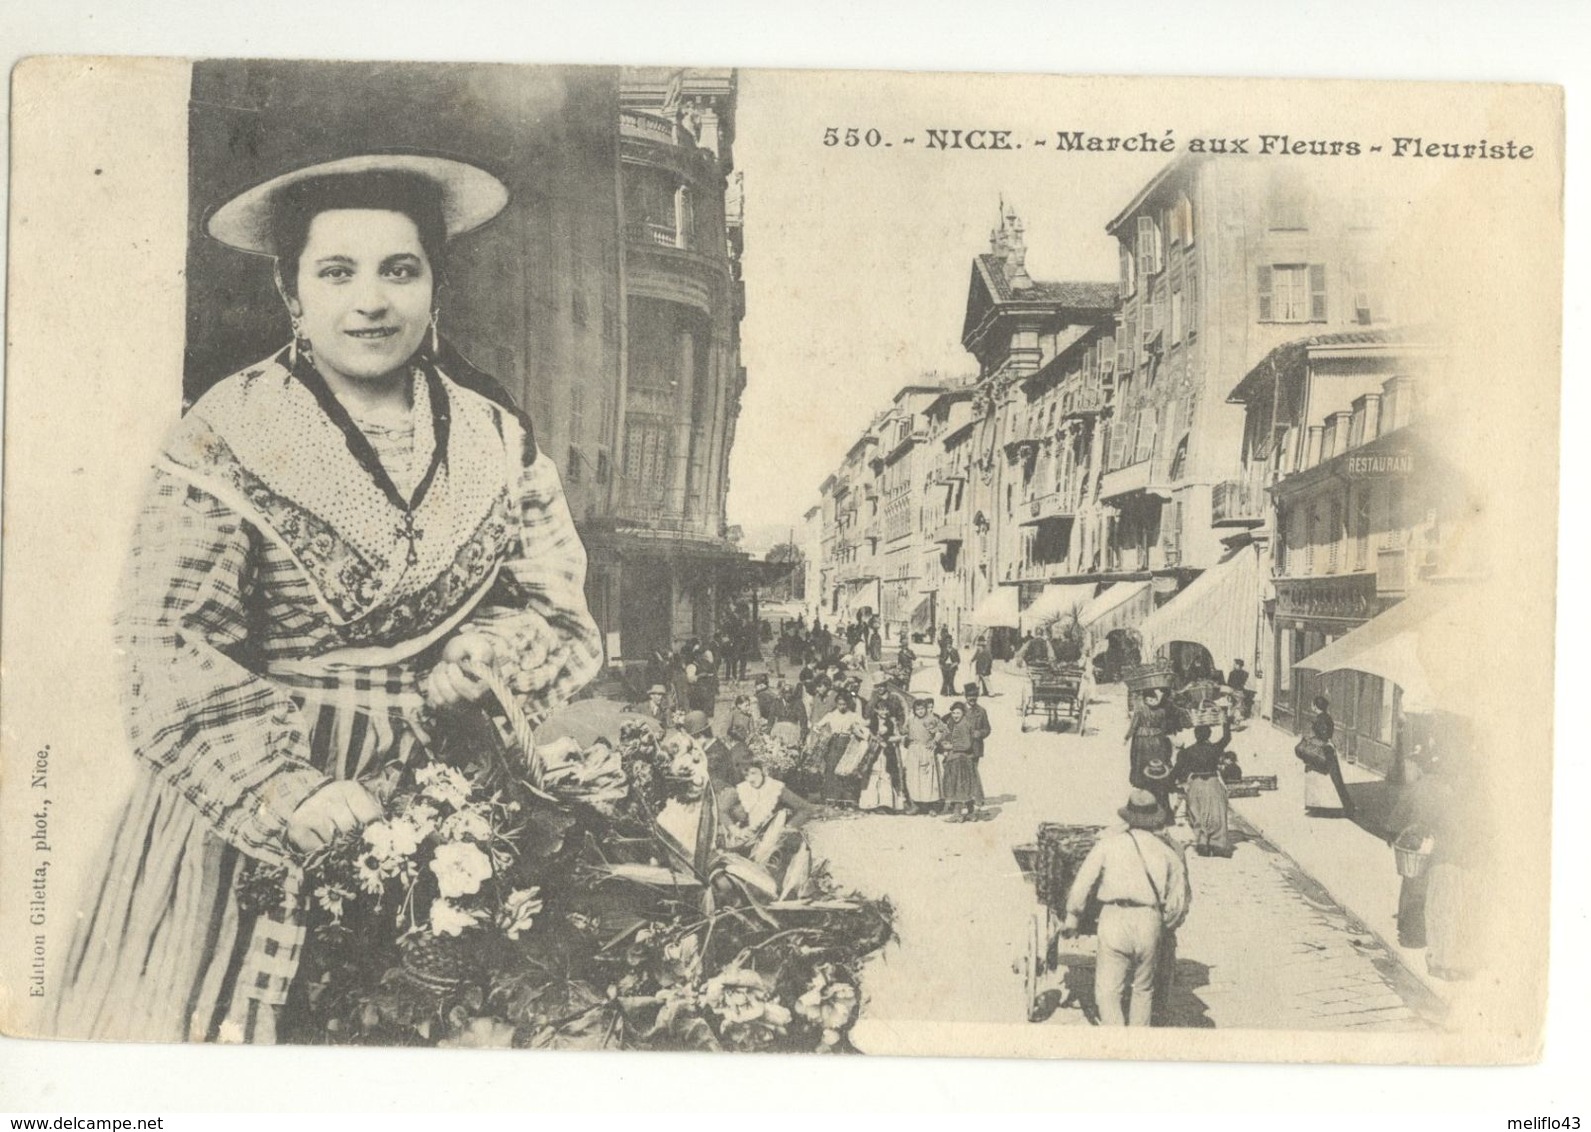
(1311, 614)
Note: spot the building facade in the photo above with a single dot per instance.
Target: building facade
(1364, 507)
(1096, 465)
(663, 562)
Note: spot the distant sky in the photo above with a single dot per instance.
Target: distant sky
(857, 260)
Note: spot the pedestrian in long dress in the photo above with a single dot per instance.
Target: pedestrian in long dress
(1149, 733)
(1325, 793)
(924, 730)
(1141, 880)
(961, 787)
(1198, 772)
(835, 731)
(1443, 807)
(884, 789)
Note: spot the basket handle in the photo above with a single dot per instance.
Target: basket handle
(523, 725)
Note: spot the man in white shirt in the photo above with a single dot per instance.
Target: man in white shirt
(1141, 880)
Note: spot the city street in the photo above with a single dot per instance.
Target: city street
(1265, 945)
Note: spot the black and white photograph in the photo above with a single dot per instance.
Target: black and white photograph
(694, 558)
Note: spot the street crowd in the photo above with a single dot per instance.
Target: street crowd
(828, 724)
(833, 715)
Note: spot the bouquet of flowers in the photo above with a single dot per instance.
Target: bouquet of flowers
(521, 894)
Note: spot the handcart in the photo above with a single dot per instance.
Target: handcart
(1051, 861)
(1057, 692)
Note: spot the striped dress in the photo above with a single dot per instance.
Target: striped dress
(281, 607)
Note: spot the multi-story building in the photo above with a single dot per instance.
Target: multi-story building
(943, 519)
(1221, 261)
(1016, 327)
(1364, 504)
(1096, 463)
(662, 561)
(1056, 513)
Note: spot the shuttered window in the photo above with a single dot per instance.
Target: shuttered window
(1292, 292)
(1148, 246)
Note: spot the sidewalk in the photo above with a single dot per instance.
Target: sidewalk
(1352, 862)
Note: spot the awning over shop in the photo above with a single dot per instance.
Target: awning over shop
(999, 609)
(1415, 645)
(1056, 601)
(923, 615)
(1218, 610)
(1116, 607)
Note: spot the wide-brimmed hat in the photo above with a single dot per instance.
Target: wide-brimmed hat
(1144, 811)
(469, 196)
(695, 722)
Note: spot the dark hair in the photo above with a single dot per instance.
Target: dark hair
(1322, 703)
(296, 206)
(1201, 732)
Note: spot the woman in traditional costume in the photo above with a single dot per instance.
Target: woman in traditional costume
(962, 788)
(923, 732)
(883, 788)
(339, 540)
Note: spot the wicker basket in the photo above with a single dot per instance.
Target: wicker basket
(1155, 674)
(1412, 857)
(1059, 853)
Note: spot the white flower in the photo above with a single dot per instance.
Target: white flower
(519, 911)
(392, 840)
(444, 784)
(460, 868)
(449, 919)
(467, 824)
(331, 898)
(421, 817)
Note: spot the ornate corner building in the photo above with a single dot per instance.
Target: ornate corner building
(662, 562)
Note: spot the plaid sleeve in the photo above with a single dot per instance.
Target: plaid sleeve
(548, 571)
(221, 735)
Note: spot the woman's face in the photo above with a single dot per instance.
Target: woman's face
(364, 292)
(957, 714)
(755, 777)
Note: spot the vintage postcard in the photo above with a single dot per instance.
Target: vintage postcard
(687, 558)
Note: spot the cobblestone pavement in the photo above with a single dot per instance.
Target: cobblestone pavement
(1264, 946)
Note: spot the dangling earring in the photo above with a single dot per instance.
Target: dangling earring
(298, 336)
(436, 350)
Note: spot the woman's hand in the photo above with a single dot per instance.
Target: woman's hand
(337, 808)
(456, 679)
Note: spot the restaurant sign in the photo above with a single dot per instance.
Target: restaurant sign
(1379, 464)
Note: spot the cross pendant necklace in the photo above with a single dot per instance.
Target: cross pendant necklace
(407, 530)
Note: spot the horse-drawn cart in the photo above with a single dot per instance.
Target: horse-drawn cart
(1057, 692)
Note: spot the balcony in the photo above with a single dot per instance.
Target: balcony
(1237, 503)
(651, 127)
(951, 530)
(1125, 480)
(659, 517)
(1085, 403)
(1060, 504)
(650, 232)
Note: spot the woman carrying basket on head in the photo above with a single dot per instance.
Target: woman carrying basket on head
(339, 541)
